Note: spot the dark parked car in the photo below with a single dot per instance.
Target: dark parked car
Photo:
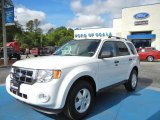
(10, 53)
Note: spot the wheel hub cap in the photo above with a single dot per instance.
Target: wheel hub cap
(82, 100)
(134, 80)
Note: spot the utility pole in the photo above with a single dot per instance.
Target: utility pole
(41, 41)
(4, 34)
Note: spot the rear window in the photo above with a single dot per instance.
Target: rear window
(132, 48)
(122, 49)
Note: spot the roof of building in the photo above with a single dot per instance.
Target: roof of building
(141, 5)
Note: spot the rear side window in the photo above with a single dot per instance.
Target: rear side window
(122, 49)
(132, 48)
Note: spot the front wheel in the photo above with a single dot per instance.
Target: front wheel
(79, 101)
(131, 84)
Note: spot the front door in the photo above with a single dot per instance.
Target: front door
(108, 67)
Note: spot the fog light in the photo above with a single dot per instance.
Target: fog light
(43, 97)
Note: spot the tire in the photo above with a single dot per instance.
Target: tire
(35, 55)
(131, 84)
(79, 101)
(18, 56)
(150, 58)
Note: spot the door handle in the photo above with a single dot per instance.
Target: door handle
(130, 59)
(116, 61)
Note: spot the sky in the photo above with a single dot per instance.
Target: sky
(73, 13)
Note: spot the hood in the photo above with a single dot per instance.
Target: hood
(52, 62)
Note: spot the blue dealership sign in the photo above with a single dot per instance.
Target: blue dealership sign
(9, 15)
(141, 16)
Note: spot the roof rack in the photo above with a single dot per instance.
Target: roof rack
(117, 37)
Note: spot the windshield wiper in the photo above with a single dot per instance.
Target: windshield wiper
(68, 55)
(54, 54)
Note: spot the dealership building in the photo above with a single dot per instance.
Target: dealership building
(140, 24)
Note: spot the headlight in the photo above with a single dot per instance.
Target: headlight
(48, 75)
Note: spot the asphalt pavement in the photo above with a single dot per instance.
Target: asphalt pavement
(149, 74)
(3, 74)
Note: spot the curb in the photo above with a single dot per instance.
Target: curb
(154, 88)
(2, 84)
(5, 66)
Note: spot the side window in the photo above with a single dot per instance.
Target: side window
(132, 48)
(109, 46)
(122, 49)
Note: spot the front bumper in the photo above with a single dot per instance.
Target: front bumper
(30, 94)
(45, 110)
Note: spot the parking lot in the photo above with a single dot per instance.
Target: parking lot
(113, 104)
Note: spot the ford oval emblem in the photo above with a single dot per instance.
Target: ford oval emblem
(140, 16)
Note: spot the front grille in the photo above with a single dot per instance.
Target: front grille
(18, 93)
(23, 75)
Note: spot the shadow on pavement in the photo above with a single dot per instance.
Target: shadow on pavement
(156, 116)
(144, 82)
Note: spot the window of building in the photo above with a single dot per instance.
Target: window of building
(141, 43)
(141, 33)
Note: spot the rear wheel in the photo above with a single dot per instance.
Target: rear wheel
(132, 81)
(150, 58)
(79, 101)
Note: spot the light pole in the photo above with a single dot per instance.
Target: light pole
(4, 35)
(41, 41)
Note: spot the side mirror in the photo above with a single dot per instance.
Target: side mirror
(105, 54)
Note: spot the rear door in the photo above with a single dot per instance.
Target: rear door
(124, 61)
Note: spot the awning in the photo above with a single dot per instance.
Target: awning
(142, 36)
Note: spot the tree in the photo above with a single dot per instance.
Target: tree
(64, 40)
(13, 31)
(30, 26)
(32, 36)
(36, 23)
(59, 36)
(50, 30)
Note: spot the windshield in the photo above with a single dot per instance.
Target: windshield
(78, 48)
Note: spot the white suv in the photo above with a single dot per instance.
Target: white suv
(70, 79)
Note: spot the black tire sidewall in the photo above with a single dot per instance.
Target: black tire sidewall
(130, 79)
(70, 105)
(128, 85)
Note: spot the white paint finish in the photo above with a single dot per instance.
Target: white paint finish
(53, 62)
